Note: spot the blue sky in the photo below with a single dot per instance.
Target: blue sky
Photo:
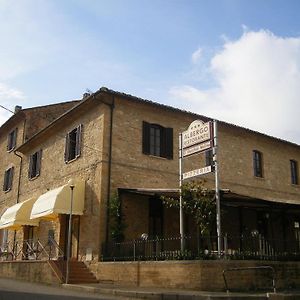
(238, 61)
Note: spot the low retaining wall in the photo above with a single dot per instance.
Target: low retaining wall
(200, 275)
(35, 271)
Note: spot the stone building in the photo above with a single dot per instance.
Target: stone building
(117, 146)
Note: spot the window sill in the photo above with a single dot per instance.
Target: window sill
(71, 160)
(159, 157)
(7, 191)
(10, 150)
(259, 178)
(33, 178)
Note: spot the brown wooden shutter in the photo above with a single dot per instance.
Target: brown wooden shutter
(30, 167)
(146, 138)
(5, 181)
(38, 162)
(78, 141)
(67, 147)
(169, 143)
(15, 138)
(11, 176)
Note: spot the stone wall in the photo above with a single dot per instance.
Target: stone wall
(35, 271)
(200, 275)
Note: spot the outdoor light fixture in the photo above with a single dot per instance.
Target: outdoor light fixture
(72, 186)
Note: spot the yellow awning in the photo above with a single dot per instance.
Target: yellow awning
(18, 215)
(57, 201)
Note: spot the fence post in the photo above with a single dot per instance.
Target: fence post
(225, 246)
(134, 245)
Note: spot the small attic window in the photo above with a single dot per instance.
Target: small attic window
(73, 144)
(12, 140)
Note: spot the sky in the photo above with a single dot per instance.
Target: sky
(234, 60)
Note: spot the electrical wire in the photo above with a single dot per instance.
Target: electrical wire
(6, 109)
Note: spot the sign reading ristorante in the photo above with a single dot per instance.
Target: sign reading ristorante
(198, 132)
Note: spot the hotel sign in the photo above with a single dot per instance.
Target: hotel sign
(198, 132)
(197, 172)
(197, 148)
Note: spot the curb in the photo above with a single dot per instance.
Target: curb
(185, 295)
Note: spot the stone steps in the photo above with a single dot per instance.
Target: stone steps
(78, 272)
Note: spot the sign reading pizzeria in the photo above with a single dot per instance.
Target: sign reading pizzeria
(198, 132)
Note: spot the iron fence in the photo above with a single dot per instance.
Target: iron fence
(201, 247)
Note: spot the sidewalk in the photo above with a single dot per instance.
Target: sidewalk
(178, 294)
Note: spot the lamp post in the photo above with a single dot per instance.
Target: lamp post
(72, 186)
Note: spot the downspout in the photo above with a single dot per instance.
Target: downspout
(112, 106)
(21, 164)
(20, 173)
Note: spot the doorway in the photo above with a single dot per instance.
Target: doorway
(74, 235)
(155, 217)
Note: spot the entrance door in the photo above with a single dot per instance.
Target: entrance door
(74, 235)
(155, 217)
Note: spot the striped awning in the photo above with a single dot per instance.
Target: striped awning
(18, 215)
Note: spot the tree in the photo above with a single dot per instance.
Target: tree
(197, 201)
(117, 225)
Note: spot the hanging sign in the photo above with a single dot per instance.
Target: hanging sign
(198, 132)
(197, 172)
(197, 148)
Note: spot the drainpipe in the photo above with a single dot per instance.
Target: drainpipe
(20, 173)
(21, 164)
(112, 106)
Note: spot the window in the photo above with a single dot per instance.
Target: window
(12, 140)
(73, 144)
(157, 140)
(209, 158)
(294, 171)
(8, 179)
(35, 164)
(257, 164)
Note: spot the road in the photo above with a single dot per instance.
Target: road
(11, 289)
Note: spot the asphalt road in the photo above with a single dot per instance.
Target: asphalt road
(11, 289)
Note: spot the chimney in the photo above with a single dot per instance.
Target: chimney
(18, 108)
(85, 95)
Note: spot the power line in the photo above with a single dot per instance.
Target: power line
(6, 109)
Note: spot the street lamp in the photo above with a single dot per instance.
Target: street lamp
(72, 186)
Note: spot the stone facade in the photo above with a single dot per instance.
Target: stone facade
(112, 158)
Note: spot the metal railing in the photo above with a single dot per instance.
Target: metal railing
(31, 250)
(241, 248)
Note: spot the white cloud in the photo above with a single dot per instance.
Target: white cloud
(8, 96)
(197, 55)
(257, 85)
